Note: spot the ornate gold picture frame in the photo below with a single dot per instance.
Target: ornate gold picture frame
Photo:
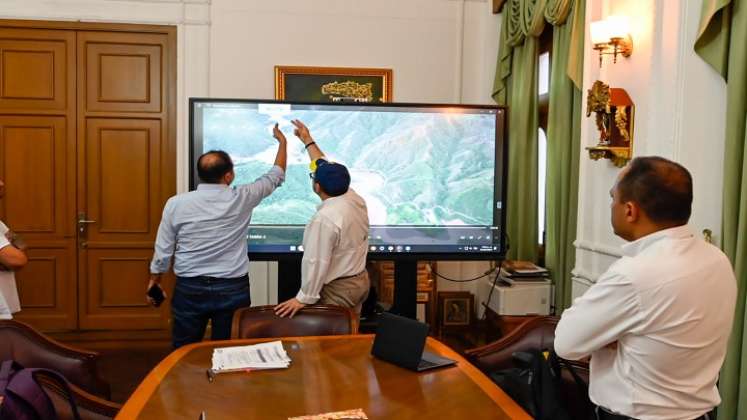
(333, 84)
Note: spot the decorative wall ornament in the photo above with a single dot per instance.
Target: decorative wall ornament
(615, 112)
(498, 5)
(333, 84)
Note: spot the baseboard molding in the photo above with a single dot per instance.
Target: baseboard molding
(110, 336)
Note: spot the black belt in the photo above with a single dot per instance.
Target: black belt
(350, 277)
(602, 413)
(211, 279)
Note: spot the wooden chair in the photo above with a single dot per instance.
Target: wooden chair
(261, 322)
(30, 348)
(535, 333)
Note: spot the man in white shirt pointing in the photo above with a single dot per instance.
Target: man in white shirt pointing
(335, 242)
(657, 322)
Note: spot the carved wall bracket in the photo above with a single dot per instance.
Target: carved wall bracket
(615, 113)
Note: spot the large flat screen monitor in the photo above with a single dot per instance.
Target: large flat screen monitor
(433, 176)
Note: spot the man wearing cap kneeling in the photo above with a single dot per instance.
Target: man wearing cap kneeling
(335, 242)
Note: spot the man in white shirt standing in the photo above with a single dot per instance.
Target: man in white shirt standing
(335, 242)
(12, 258)
(657, 322)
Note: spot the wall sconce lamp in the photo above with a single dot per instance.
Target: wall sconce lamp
(612, 37)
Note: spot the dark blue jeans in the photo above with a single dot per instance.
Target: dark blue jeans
(199, 299)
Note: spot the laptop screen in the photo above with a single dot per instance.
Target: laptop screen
(400, 340)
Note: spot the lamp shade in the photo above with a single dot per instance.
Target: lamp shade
(600, 33)
(618, 26)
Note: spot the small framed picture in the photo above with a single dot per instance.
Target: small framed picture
(455, 309)
(333, 84)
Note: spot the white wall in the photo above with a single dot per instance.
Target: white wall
(440, 51)
(680, 104)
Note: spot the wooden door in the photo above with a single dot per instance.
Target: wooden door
(126, 172)
(37, 163)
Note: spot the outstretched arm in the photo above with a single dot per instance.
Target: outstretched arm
(267, 183)
(302, 132)
(281, 158)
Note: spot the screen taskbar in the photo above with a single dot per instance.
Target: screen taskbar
(267, 239)
(384, 249)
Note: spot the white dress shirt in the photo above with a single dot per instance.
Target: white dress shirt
(206, 229)
(335, 244)
(9, 302)
(668, 303)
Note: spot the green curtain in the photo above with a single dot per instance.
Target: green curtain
(721, 43)
(563, 151)
(516, 87)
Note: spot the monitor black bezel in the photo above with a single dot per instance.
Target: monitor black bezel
(500, 179)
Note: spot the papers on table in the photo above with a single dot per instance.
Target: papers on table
(270, 355)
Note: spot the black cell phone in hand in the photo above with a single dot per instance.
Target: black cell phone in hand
(156, 294)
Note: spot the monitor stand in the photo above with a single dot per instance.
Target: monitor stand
(289, 279)
(405, 284)
(405, 288)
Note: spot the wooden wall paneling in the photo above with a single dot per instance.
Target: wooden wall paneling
(37, 163)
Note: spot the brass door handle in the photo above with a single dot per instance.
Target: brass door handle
(82, 222)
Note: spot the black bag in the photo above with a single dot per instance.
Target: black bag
(535, 384)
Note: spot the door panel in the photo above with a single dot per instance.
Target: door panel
(122, 179)
(116, 290)
(37, 163)
(34, 72)
(31, 208)
(123, 77)
(126, 173)
(123, 167)
(47, 287)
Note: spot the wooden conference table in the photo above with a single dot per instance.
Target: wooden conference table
(331, 373)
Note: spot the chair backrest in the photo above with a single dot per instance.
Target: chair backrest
(261, 322)
(30, 348)
(536, 333)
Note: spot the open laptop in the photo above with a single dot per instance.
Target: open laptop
(401, 341)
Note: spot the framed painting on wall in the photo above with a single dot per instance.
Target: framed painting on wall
(333, 84)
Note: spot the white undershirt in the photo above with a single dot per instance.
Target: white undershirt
(668, 303)
(335, 244)
(9, 302)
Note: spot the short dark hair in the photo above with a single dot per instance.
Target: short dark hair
(212, 165)
(662, 188)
